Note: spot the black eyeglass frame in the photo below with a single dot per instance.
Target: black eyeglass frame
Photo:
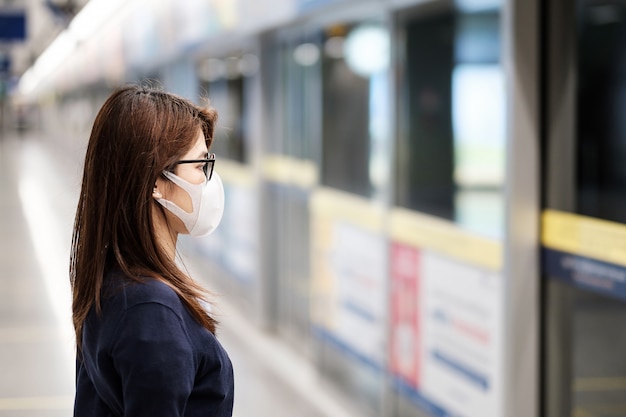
(209, 161)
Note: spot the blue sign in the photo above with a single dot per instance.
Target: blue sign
(12, 26)
(590, 274)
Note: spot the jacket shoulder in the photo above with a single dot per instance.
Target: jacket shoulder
(151, 291)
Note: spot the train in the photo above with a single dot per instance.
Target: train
(425, 198)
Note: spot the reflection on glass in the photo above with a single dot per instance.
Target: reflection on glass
(224, 81)
(226, 96)
(478, 123)
(480, 211)
(601, 114)
(367, 49)
(355, 159)
(477, 38)
(248, 65)
(599, 341)
(469, 6)
(379, 133)
(452, 152)
(355, 108)
(299, 67)
(334, 46)
(306, 54)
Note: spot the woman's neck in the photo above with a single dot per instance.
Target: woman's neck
(166, 237)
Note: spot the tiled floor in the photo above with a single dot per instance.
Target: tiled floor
(36, 354)
(39, 184)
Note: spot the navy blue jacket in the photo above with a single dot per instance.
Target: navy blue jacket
(147, 356)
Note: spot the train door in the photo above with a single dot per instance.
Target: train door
(291, 105)
(584, 221)
(463, 221)
(448, 221)
(327, 178)
(230, 80)
(349, 256)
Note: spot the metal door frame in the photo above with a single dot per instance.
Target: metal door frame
(521, 246)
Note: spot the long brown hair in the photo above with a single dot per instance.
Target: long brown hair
(138, 133)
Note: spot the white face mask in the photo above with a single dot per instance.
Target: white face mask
(207, 201)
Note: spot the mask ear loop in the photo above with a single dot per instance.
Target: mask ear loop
(155, 192)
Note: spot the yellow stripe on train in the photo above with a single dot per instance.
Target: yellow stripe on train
(408, 227)
(442, 236)
(584, 236)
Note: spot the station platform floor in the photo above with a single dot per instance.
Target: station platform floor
(39, 182)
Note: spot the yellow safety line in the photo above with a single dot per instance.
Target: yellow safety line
(291, 171)
(608, 409)
(37, 403)
(581, 412)
(600, 384)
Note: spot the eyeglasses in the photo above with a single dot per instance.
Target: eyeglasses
(208, 164)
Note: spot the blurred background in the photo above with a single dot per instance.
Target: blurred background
(426, 199)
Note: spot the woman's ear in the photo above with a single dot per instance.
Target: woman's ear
(156, 193)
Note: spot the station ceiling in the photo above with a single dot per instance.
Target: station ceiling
(45, 19)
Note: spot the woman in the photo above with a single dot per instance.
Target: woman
(146, 346)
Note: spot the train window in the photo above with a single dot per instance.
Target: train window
(224, 82)
(450, 155)
(600, 117)
(354, 97)
(292, 95)
(331, 82)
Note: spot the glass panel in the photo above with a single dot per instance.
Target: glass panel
(449, 162)
(599, 343)
(272, 70)
(293, 275)
(224, 81)
(585, 335)
(601, 103)
(290, 90)
(299, 68)
(354, 57)
(354, 64)
(452, 148)
(227, 97)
